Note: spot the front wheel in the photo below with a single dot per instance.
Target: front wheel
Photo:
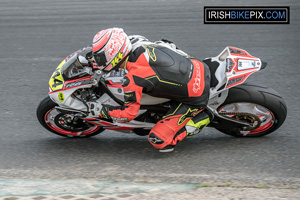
(64, 123)
(259, 105)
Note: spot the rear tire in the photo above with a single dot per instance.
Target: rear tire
(262, 99)
(47, 116)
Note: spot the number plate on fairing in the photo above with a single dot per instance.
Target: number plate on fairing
(247, 64)
(56, 81)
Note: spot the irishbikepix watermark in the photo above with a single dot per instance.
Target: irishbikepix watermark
(245, 15)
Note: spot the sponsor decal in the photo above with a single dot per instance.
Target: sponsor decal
(236, 51)
(75, 84)
(235, 80)
(197, 83)
(154, 139)
(214, 103)
(117, 59)
(187, 115)
(150, 49)
(123, 119)
(197, 112)
(61, 97)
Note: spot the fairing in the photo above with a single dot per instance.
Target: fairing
(234, 67)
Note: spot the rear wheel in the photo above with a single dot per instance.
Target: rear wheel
(64, 124)
(255, 104)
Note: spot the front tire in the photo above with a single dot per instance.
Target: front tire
(260, 100)
(54, 121)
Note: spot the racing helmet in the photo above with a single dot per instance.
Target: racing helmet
(110, 48)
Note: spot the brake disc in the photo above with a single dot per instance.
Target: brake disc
(66, 122)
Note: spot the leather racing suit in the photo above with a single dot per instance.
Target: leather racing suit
(160, 72)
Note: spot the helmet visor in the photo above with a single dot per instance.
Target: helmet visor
(100, 59)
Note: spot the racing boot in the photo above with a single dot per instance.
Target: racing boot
(166, 149)
(197, 123)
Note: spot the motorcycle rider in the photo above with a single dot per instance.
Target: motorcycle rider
(158, 71)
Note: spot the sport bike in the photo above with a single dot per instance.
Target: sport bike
(240, 109)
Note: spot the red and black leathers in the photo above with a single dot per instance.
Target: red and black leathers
(161, 72)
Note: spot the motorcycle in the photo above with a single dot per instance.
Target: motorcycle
(240, 109)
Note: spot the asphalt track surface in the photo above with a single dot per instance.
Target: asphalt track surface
(37, 34)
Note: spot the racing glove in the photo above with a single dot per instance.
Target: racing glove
(104, 112)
